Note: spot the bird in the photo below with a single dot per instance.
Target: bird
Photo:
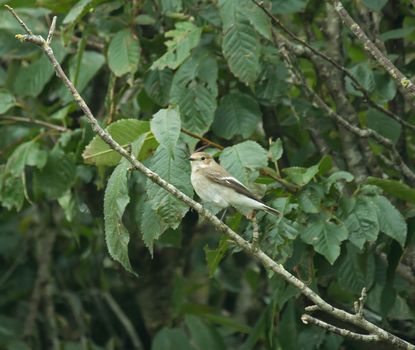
(214, 185)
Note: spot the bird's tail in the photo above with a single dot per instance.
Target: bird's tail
(272, 211)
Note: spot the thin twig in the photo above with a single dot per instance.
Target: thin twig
(368, 338)
(203, 139)
(51, 31)
(125, 321)
(407, 87)
(35, 121)
(23, 24)
(257, 254)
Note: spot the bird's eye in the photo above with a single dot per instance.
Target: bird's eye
(203, 158)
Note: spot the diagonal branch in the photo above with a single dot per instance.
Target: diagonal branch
(407, 87)
(257, 254)
(368, 338)
(396, 157)
(311, 51)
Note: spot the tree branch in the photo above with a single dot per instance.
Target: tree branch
(310, 51)
(368, 338)
(257, 254)
(407, 87)
(35, 121)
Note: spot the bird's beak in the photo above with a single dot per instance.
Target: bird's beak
(191, 158)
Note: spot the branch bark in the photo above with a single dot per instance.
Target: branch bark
(256, 253)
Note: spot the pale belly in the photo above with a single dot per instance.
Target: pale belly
(220, 196)
(209, 192)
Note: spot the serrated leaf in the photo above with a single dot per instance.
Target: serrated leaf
(7, 101)
(362, 223)
(240, 47)
(237, 114)
(350, 274)
(243, 160)
(124, 131)
(394, 188)
(247, 9)
(325, 237)
(58, 174)
(123, 53)
(175, 171)
(184, 38)
(165, 126)
(151, 226)
(276, 150)
(77, 11)
(157, 84)
(310, 199)
(12, 189)
(302, 176)
(391, 221)
(194, 89)
(116, 199)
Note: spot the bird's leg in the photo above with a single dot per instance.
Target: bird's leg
(223, 214)
(255, 231)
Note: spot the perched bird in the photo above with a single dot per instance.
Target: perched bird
(214, 185)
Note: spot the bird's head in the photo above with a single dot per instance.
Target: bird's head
(201, 160)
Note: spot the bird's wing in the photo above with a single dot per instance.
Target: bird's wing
(231, 182)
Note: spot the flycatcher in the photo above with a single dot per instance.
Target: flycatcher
(213, 184)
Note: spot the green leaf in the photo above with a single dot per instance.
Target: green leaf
(58, 175)
(247, 9)
(385, 87)
(375, 5)
(91, 63)
(204, 337)
(336, 177)
(157, 84)
(364, 75)
(194, 90)
(12, 189)
(243, 160)
(384, 125)
(7, 101)
(302, 176)
(394, 188)
(151, 226)
(362, 223)
(276, 150)
(175, 171)
(391, 221)
(123, 53)
(241, 49)
(171, 339)
(215, 256)
(168, 6)
(325, 237)
(31, 80)
(350, 275)
(310, 199)
(291, 6)
(184, 38)
(115, 201)
(396, 33)
(237, 114)
(76, 12)
(123, 131)
(165, 126)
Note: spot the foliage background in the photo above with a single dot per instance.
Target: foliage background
(348, 212)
